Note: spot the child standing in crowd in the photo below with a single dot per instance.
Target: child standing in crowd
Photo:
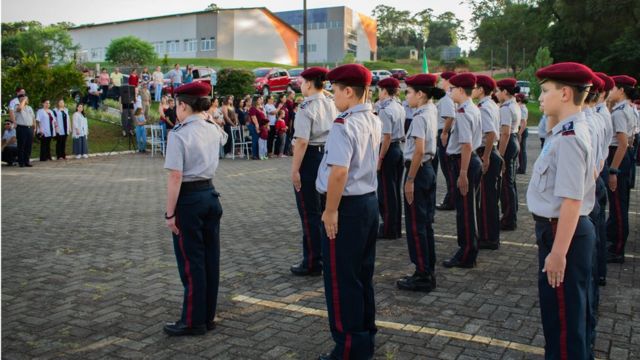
(141, 134)
(262, 142)
(80, 133)
(281, 130)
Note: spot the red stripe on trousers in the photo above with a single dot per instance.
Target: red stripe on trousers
(385, 202)
(466, 221)
(305, 220)
(187, 273)
(620, 229)
(347, 347)
(335, 292)
(563, 322)
(452, 181)
(416, 239)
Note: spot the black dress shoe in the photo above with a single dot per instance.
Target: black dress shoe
(301, 270)
(454, 262)
(615, 259)
(211, 325)
(602, 281)
(445, 207)
(417, 282)
(28, 165)
(178, 328)
(505, 227)
(488, 245)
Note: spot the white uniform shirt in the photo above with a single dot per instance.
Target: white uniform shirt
(392, 115)
(490, 116)
(423, 126)
(466, 129)
(314, 118)
(510, 115)
(47, 122)
(446, 109)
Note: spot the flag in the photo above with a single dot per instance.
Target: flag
(425, 64)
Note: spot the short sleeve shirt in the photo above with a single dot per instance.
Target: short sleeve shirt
(623, 121)
(466, 129)
(564, 169)
(259, 114)
(423, 126)
(314, 119)
(353, 142)
(116, 79)
(392, 115)
(490, 117)
(8, 135)
(193, 148)
(510, 115)
(446, 109)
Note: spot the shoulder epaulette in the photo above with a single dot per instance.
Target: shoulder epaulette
(568, 129)
(461, 110)
(621, 107)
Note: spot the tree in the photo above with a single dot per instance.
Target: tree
(41, 80)
(130, 51)
(235, 82)
(543, 58)
(31, 38)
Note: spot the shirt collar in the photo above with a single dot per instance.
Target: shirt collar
(318, 95)
(192, 118)
(360, 108)
(562, 125)
(484, 100)
(509, 102)
(620, 103)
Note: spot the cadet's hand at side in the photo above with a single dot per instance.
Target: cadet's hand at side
(554, 266)
(613, 182)
(408, 191)
(330, 221)
(171, 224)
(463, 184)
(295, 179)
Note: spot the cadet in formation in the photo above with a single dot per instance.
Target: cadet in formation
(446, 114)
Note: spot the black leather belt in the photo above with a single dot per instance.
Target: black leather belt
(318, 148)
(196, 185)
(25, 126)
(395, 142)
(407, 163)
(544, 219)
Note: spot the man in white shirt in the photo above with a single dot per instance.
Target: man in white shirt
(13, 103)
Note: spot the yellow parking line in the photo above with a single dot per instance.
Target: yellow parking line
(399, 326)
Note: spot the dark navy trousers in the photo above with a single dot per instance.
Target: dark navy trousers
(597, 217)
(522, 155)
(348, 277)
(601, 227)
(618, 222)
(389, 192)
(419, 219)
(443, 159)
(310, 206)
(489, 195)
(509, 193)
(466, 208)
(564, 310)
(197, 250)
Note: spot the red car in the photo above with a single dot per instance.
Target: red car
(296, 79)
(399, 74)
(270, 80)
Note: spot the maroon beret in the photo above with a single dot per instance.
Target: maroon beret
(314, 72)
(485, 81)
(463, 80)
(425, 80)
(447, 75)
(624, 80)
(608, 81)
(570, 73)
(520, 97)
(196, 88)
(350, 75)
(389, 83)
(508, 83)
(598, 84)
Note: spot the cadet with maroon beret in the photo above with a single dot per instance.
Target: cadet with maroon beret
(193, 209)
(487, 207)
(621, 166)
(509, 147)
(420, 182)
(561, 195)
(312, 123)
(465, 165)
(390, 167)
(446, 114)
(347, 176)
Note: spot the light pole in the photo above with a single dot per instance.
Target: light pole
(304, 31)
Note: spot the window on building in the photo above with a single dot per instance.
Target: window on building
(159, 47)
(96, 54)
(190, 45)
(208, 44)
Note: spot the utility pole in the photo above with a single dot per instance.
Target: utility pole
(508, 57)
(304, 32)
(491, 62)
(523, 59)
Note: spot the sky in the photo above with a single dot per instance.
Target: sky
(83, 12)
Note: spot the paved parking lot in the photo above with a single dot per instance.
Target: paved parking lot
(88, 272)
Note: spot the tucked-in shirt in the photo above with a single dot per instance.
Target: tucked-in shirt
(25, 117)
(605, 119)
(423, 126)
(446, 109)
(466, 128)
(392, 115)
(490, 117)
(510, 115)
(193, 148)
(354, 143)
(623, 120)
(314, 118)
(564, 170)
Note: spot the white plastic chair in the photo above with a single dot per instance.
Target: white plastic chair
(239, 142)
(155, 139)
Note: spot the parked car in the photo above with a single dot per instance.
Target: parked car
(296, 79)
(271, 80)
(399, 74)
(381, 74)
(525, 87)
(200, 73)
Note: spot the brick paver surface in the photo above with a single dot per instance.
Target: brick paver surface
(88, 272)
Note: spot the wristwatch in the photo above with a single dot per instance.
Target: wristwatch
(614, 171)
(169, 217)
